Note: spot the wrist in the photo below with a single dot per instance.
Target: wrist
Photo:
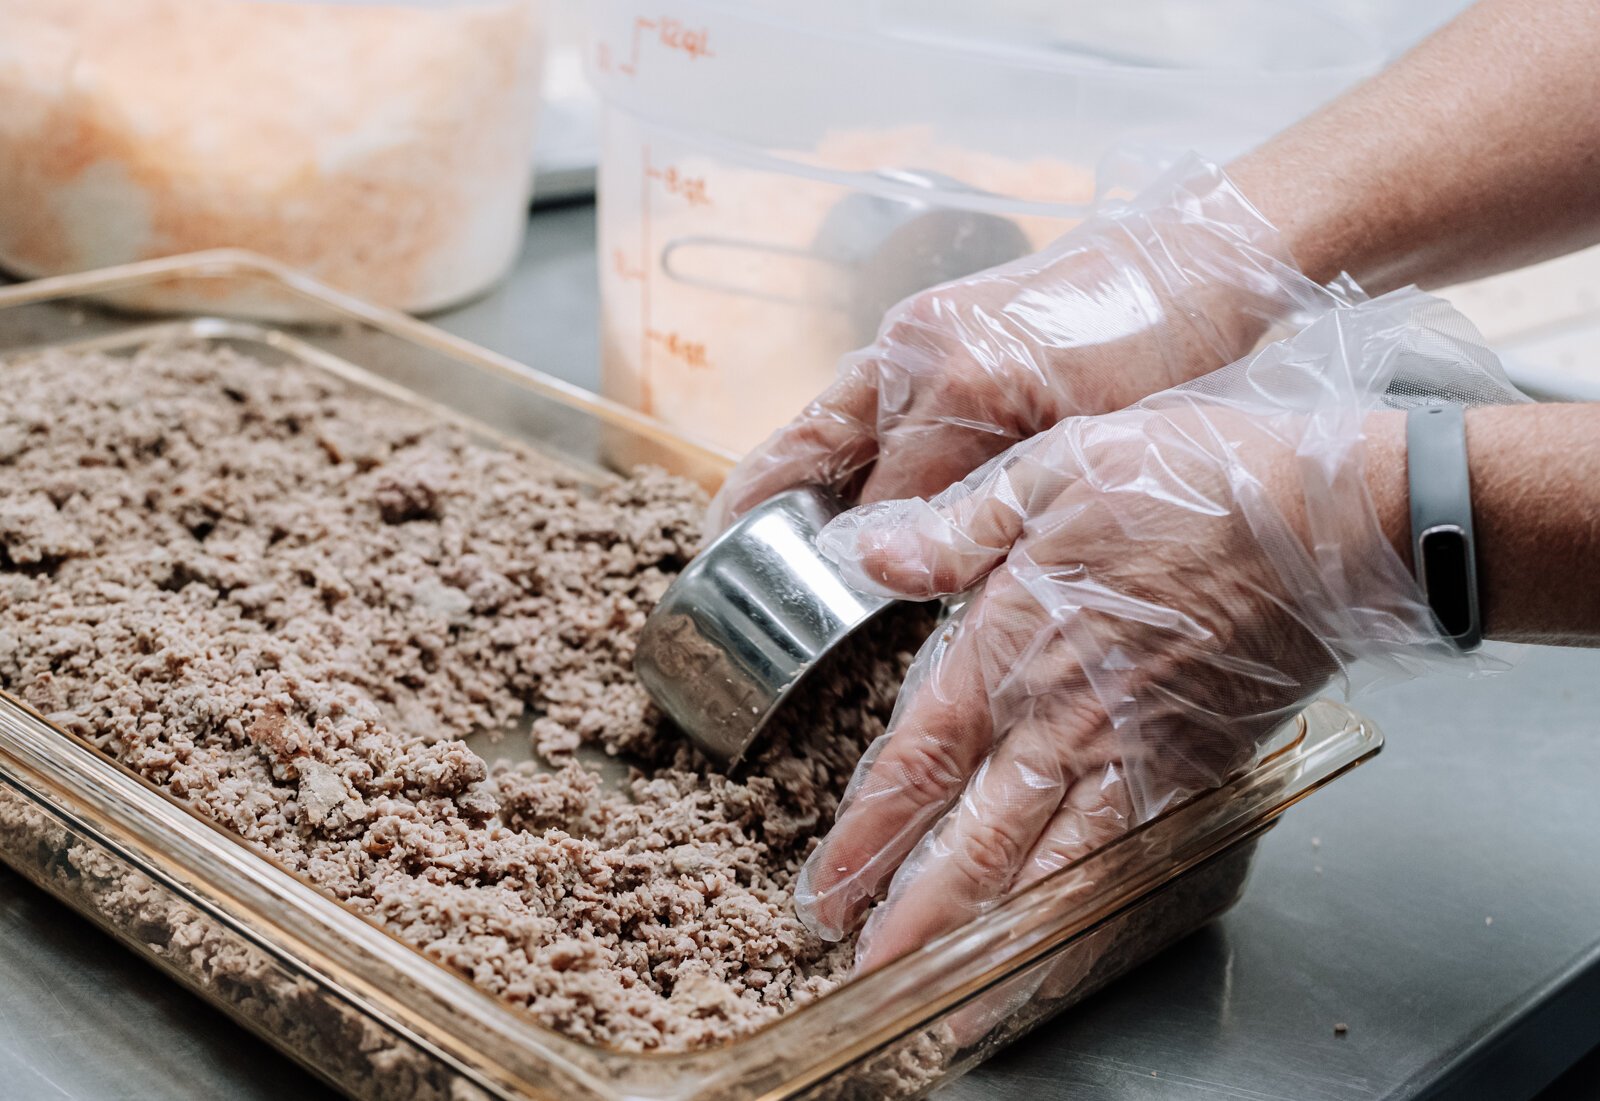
(1299, 212)
(1382, 455)
(1344, 499)
(1388, 481)
(1192, 275)
(1222, 266)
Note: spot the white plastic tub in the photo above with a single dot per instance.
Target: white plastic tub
(730, 283)
(384, 147)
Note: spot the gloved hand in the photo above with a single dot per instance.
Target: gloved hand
(1146, 295)
(1155, 590)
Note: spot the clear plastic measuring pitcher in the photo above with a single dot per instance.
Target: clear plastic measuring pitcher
(774, 175)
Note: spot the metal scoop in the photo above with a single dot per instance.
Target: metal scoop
(744, 623)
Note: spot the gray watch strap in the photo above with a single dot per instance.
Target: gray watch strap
(1443, 552)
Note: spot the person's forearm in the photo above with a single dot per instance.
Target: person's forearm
(1535, 472)
(1477, 152)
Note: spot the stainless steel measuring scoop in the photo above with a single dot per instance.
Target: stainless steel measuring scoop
(744, 623)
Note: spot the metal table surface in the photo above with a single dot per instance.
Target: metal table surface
(1443, 901)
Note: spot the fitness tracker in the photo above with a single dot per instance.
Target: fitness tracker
(1443, 552)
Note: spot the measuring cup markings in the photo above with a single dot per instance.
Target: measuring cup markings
(691, 188)
(663, 31)
(646, 392)
(693, 191)
(633, 273)
(691, 352)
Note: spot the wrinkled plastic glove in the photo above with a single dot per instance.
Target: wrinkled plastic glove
(1145, 295)
(1152, 592)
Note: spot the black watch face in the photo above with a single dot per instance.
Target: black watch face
(1447, 577)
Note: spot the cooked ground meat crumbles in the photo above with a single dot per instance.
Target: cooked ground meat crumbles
(286, 602)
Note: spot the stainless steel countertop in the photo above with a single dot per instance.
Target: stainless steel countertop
(1443, 901)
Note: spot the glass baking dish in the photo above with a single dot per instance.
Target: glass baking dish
(380, 1020)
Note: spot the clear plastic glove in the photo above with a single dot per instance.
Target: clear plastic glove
(1148, 294)
(1156, 589)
